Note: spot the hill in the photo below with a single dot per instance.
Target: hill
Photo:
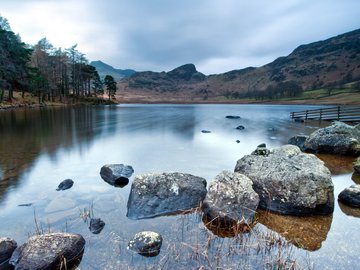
(324, 64)
(105, 69)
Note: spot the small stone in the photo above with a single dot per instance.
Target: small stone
(206, 131)
(96, 225)
(66, 184)
(116, 174)
(7, 247)
(232, 117)
(238, 141)
(146, 243)
(351, 196)
(240, 127)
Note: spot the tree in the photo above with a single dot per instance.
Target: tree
(110, 84)
(14, 56)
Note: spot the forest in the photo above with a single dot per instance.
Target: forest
(45, 71)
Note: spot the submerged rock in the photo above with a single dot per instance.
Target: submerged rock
(7, 247)
(159, 194)
(146, 243)
(206, 131)
(241, 127)
(339, 138)
(351, 196)
(66, 184)
(116, 174)
(231, 201)
(96, 225)
(49, 251)
(289, 181)
(232, 117)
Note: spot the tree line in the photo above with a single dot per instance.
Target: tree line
(273, 91)
(46, 71)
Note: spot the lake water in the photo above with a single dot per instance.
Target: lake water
(41, 147)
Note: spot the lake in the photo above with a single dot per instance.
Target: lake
(41, 147)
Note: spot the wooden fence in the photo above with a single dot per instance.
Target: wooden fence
(340, 113)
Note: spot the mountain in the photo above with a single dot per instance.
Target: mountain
(105, 69)
(328, 63)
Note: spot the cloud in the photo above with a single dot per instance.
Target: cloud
(217, 36)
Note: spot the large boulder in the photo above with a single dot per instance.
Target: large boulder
(146, 243)
(116, 174)
(338, 138)
(7, 247)
(231, 201)
(159, 194)
(49, 251)
(350, 196)
(289, 181)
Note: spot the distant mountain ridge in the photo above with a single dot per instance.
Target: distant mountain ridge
(105, 69)
(326, 63)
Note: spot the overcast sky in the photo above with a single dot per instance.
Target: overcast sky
(215, 35)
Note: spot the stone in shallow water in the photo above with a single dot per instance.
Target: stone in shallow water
(338, 138)
(7, 247)
(49, 251)
(231, 201)
(232, 117)
(351, 196)
(159, 194)
(96, 225)
(66, 184)
(289, 181)
(205, 131)
(116, 174)
(146, 243)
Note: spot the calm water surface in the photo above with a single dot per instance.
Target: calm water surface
(40, 148)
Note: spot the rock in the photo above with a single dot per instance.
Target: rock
(357, 165)
(206, 131)
(232, 117)
(7, 247)
(237, 141)
(96, 225)
(240, 127)
(351, 196)
(49, 251)
(299, 120)
(289, 181)
(66, 184)
(60, 203)
(146, 243)
(299, 141)
(116, 174)
(159, 194)
(261, 150)
(25, 204)
(339, 138)
(231, 201)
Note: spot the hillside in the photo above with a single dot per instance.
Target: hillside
(105, 69)
(328, 63)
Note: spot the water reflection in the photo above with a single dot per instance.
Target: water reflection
(304, 232)
(337, 164)
(349, 211)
